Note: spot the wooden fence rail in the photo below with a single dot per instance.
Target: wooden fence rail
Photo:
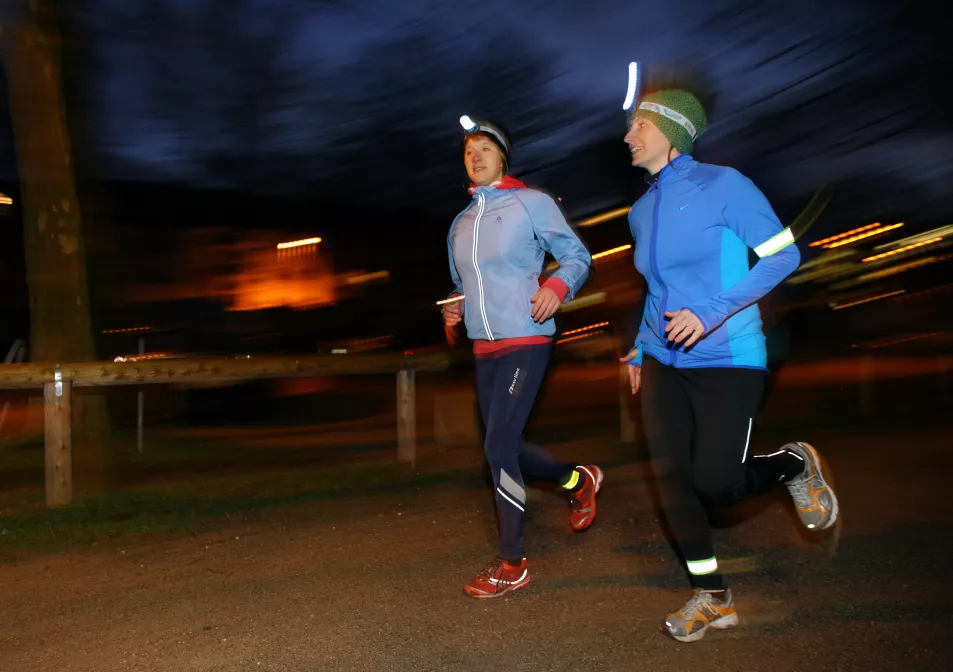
(136, 371)
(58, 380)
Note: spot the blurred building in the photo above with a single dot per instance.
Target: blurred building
(247, 270)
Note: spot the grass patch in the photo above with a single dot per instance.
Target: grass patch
(190, 507)
(181, 485)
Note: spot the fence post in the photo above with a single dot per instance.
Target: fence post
(627, 424)
(406, 415)
(59, 441)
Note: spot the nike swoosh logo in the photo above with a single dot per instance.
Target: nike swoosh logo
(682, 207)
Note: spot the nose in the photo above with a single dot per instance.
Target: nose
(629, 137)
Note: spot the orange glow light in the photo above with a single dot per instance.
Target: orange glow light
(614, 250)
(902, 249)
(299, 243)
(839, 236)
(124, 331)
(582, 329)
(604, 217)
(579, 337)
(861, 236)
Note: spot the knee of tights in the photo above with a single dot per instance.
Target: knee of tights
(500, 443)
(715, 493)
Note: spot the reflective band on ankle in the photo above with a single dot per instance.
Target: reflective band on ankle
(775, 244)
(698, 567)
(571, 483)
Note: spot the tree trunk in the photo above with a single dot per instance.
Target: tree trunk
(60, 322)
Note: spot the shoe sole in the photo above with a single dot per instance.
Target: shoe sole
(817, 463)
(723, 623)
(511, 589)
(591, 518)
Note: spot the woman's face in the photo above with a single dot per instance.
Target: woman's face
(483, 160)
(648, 145)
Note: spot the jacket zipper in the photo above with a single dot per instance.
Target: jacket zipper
(476, 266)
(653, 251)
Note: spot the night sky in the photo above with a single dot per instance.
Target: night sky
(362, 98)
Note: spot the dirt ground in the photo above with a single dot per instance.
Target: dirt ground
(375, 583)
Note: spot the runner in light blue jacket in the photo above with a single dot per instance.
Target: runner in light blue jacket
(497, 247)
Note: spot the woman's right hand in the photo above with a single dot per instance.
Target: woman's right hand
(452, 316)
(635, 372)
(452, 313)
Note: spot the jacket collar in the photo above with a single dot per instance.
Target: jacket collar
(671, 170)
(508, 182)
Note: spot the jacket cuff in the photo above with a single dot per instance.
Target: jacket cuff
(637, 360)
(558, 286)
(708, 317)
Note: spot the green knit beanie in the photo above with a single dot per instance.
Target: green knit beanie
(678, 114)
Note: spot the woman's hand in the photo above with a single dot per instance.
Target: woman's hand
(683, 324)
(635, 372)
(452, 313)
(545, 304)
(452, 316)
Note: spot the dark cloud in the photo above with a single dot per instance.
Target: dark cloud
(364, 96)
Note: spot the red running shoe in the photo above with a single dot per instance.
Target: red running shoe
(498, 578)
(583, 502)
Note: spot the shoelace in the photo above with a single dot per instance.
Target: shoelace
(493, 570)
(699, 600)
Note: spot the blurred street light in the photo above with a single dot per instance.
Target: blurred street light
(862, 236)
(614, 250)
(604, 217)
(299, 243)
(905, 248)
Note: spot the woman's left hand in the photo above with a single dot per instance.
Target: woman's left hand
(683, 324)
(545, 304)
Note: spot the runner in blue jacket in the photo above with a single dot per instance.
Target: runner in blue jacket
(496, 249)
(700, 353)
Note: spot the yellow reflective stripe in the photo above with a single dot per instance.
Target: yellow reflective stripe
(697, 567)
(775, 244)
(572, 480)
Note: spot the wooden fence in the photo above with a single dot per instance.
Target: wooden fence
(58, 380)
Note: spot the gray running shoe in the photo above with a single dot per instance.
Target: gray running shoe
(703, 611)
(813, 496)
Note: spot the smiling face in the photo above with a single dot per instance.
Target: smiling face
(650, 148)
(483, 160)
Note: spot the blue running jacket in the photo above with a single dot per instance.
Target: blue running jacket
(693, 229)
